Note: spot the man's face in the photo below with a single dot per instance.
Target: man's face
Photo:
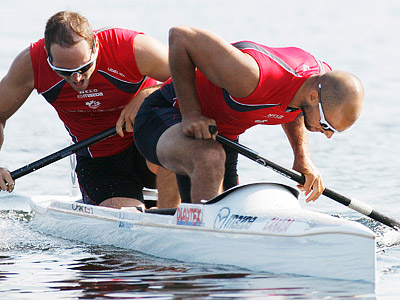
(312, 119)
(75, 57)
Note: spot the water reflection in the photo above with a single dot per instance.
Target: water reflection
(111, 273)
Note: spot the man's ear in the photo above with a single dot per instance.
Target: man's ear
(312, 97)
(96, 42)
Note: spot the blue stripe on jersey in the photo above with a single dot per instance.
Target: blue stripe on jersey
(233, 104)
(51, 94)
(128, 87)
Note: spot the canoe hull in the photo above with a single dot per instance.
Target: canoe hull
(259, 227)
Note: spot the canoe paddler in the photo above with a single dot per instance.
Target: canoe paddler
(94, 79)
(237, 86)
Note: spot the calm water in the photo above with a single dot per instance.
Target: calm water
(358, 36)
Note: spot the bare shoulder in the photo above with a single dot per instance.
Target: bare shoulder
(16, 85)
(21, 71)
(152, 57)
(145, 42)
(222, 63)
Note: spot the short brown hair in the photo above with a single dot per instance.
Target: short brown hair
(63, 27)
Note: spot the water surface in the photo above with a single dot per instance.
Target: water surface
(358, 36)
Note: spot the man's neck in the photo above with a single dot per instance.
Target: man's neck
(301, 93)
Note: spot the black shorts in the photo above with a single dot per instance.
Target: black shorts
(121, 175)
(154, 117)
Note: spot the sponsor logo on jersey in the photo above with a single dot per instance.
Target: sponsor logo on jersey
(93, 104)
(115, 72)
(269, 116)
(89, 94)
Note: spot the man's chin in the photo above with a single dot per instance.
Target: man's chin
(79, 86)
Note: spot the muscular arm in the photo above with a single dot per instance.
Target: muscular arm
(152, 60)
(219, 61)
(152, 57)
(15, 88)
(298, 138)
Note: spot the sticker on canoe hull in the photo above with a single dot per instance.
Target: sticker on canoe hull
(189, 216)
(226, 220)
(278, 225)
(82, 208)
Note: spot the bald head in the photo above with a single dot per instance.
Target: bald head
(342, 94)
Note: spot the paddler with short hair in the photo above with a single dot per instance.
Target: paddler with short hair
(94, 80)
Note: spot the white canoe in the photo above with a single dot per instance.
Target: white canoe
(259, 227)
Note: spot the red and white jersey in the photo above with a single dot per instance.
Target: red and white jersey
(115, 81)
(282, 72)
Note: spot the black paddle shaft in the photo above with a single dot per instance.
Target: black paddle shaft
(352, 203)
(62, 153)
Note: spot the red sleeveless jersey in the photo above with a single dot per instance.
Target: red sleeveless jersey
(115, 81)
(282, 72)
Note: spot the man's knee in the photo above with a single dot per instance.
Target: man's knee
(211, 158)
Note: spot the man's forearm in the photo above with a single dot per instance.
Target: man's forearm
(297, 135)
(2, 125)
